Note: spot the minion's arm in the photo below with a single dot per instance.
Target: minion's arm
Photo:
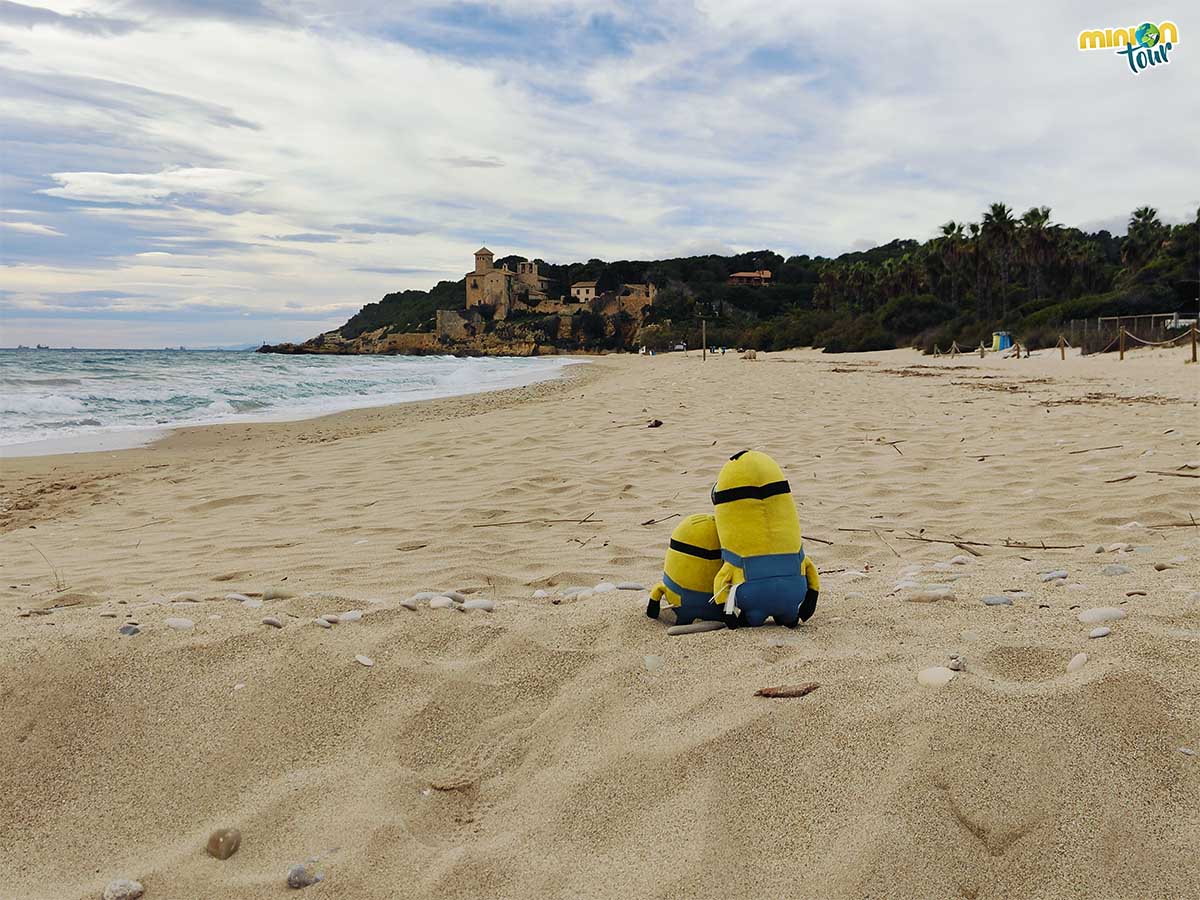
(656, 595)
(809, 606)
(722, 584)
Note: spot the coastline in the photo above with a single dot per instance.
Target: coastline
(563, 744)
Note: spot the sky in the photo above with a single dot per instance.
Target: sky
(217, 172)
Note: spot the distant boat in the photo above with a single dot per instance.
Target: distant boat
(43, 346)
(22, 347)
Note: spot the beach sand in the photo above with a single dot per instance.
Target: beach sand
(568, 747)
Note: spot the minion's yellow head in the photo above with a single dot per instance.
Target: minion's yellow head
(755, 512)
(694, 555)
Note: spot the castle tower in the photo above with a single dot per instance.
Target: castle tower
(483, 260)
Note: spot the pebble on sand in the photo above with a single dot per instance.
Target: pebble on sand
(935, 676)
(652, 663)
(1078, 661)
(128, 630)
(481, 603)
(411, 603)
(1102, 631)
(331, 618)
(421, 596)
(124, 889)
(179, 624)
(1116, 569)
(1101, 614)
(695, 628)
(273, 621)
(630, 586)
(1055, 575)
(957, 665)
(301, 876)
(457, 596)
(931, 594)
(961, 561)
(224, 842)
(364, 660)
(350, 615)
(997, 600)
(237, 598)
(540, 594)
(252, 603)
(321, 623)
(605, 587)
(277, 593)
(441, 602)
(1187, 751)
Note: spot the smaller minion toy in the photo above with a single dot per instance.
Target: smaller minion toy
(693, 559)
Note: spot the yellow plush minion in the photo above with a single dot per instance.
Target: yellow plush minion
(765, 572)
(693, 558)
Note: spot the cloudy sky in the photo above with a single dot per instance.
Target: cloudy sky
(220, 171)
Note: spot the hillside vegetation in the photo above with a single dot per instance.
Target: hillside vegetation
(1023, 273)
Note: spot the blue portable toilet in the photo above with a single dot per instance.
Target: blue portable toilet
(1001, 340)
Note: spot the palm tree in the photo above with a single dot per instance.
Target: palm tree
(1143, 238)
(999, 230)
(1036, 243)
(951, 246)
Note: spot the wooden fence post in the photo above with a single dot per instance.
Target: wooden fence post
(1062, 346)
(1193, 343)
(1122, 339)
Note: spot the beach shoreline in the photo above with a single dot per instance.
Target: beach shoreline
(552, 743)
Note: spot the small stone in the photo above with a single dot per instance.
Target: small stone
(1135, 593)
(540, 595)
(273, 621)
(441, 603)
(237, 598)
(239, 686)
(224, 842)
(652, 663)
(481, 603)
(961, 561)
(1077, 662)
(185, 597)
(630, 586)
(1101, 614)
(277, 593)
(605, 587)
(179, 624)
(352, 615)
(997, 600)
(935, 676)
(1115, 569)
(1102, 631)
(411, 603)
(364, 660)
(252, 603)
(957, 665)
(905, 584)
(695, 628)
(584, 594)
(932, 594)
(1187, 751)
(321, 623)
(124, 889)
(1099, 548)
(128, 630)
(1077, 587)
(456, 595)
(331, 618)
(108, 614)
(1055, 575)
(1119, 548)
(301, 876)
(1162, 567)
(422, 596)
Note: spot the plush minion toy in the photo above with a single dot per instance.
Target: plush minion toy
(693, 558)
(765, 571)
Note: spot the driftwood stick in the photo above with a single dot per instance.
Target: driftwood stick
(663, 519)
(889, 546)
(788, 690)
(1013, 545)
(1175, 474)
(1094, 449)
(809, 537)
(967, 547)
(589, 520)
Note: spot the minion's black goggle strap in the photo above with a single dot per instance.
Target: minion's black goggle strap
(693, 550)
(749, 492)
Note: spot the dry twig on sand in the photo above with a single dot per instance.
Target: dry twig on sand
(788, 690)
(1175, 474)
(1094, 449)
(663, 519)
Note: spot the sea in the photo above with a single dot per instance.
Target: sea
(57, 401)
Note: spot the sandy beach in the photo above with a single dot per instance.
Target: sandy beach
(565, 746)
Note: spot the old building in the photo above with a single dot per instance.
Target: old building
(753, 279)
(583, 291)
(499, 288)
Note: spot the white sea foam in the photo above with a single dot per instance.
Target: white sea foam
(91, 399)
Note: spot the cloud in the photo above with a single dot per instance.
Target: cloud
(178, 184)
(19, 15)
(32, 228)
(473, 162)
(308, 237)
